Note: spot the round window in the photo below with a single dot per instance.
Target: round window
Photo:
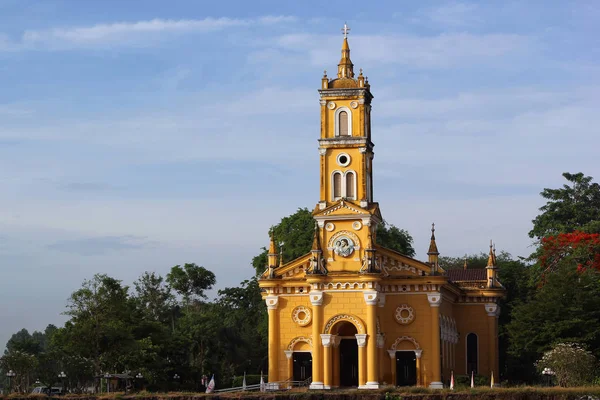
(343, 159)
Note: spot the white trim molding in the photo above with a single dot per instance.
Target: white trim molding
(371, 297)
(336, 119)
(361, 339)
(435, 299)
(316, 297)
(272, 302)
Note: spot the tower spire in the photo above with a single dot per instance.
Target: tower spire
(272, 256)
(345, 67)
(465, 265)
(491, 268)
(491, 257)
(317, 262)
(433, 252)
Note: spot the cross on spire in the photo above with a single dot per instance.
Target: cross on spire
(345, 29)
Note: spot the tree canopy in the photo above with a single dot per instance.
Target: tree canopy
(575, 206)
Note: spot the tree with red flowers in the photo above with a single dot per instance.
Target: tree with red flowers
(577, 249)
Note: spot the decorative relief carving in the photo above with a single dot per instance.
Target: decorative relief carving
(345, 285)
(344, 243)
(492, 309)
(404, 314)
(353, 104)
(272, 302)
(343, 204)
(302, 315)
(371, 297)
(331, 105)
(405, 338)
(329, 226)
(316, 298)
(361, 340)
(356, 225)
(299, 339)
(344, 317)
(435, 299)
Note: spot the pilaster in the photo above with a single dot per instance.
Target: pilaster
(435, 300)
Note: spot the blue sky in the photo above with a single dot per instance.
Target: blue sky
(136, 135)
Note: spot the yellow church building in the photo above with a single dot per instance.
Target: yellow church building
(352, 313)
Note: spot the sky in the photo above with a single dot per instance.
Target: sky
(140, 134)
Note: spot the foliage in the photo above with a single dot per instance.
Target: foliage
(578, 248)
(391, 237)
(191, 281)
(572, 364)
(566, 307)
(570, 208)
(294, 234)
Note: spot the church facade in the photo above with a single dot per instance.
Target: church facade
(352, 313)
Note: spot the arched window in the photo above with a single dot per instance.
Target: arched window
(350, 185)
(343, 123)
(337, 185)
(472, 354)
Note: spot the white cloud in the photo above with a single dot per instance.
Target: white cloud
(127, 33)
(439, 51)
(452, 15)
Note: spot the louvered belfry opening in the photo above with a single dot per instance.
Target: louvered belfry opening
(343, 120)
(337, 185)
(350, 185)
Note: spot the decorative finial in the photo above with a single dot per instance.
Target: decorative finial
(465, 265)
(324, 73)
(345, 29)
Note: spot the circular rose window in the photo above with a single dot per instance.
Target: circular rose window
(405, 314)
(301, 315)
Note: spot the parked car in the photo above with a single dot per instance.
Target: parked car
(53, 391)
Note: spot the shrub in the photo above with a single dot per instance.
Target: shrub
(571, 364)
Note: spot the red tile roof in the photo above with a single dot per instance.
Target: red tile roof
(456, 275)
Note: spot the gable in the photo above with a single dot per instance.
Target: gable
(397, 264)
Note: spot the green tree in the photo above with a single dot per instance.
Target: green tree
(575, 206)
(100, 328)
(296, 232)
(191, 281)
(565, 308)
(154, 297)
(391, 237)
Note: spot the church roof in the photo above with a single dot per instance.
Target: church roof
(461, 275)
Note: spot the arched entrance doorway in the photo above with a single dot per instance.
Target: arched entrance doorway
(348, 353)
(405, 356)
(299, 355)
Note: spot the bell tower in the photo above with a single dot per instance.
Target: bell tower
(345, 143)
(346, 212)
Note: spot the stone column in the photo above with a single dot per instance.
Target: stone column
(272, 303)
(316, 299)
(372, 363)
(435, 299)
(336, 361)
(326, 339)
(290, 363)
(392, 354)
(493, 311)
(418, 355)
(361, 340)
